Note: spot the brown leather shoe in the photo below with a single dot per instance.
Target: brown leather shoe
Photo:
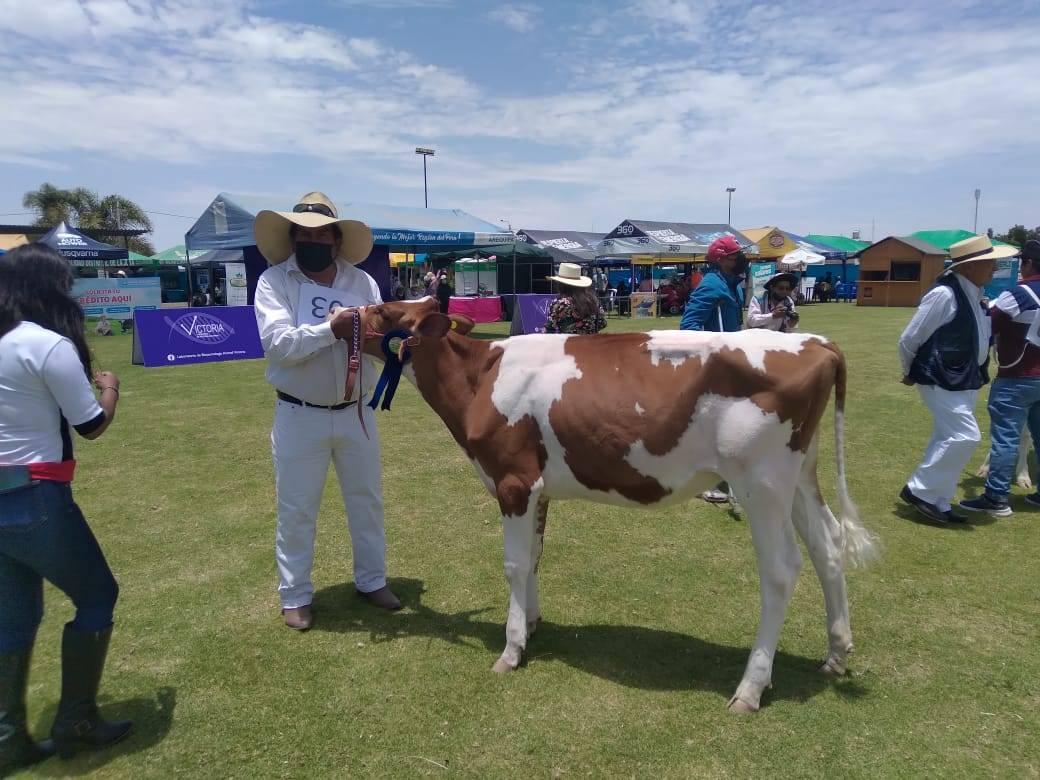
(383, 598)
(298, 619)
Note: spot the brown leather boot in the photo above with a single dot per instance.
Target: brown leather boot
(298, 618)
(383, 598)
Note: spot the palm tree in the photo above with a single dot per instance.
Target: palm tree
(51, 204)
(88, 211)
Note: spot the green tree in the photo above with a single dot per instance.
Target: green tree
(85, 209)
(1019, 234)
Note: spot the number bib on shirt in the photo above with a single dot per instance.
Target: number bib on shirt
(316, 302)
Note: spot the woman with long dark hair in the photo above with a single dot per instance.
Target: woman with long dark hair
(45, 388)
(576, 310)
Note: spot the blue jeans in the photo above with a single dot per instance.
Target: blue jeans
(1013, 403)
(43, 535)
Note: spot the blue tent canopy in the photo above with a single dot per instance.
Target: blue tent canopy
(227, 223)
(83, 251)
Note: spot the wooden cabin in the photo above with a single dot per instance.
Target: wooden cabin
(897, 271)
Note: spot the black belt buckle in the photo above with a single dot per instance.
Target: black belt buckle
(291, 399)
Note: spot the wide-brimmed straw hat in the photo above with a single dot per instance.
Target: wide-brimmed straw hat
(314, 210)
(570, 274)
(976, 248)
(785, 276)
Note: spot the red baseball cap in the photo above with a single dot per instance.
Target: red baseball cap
(721, 247)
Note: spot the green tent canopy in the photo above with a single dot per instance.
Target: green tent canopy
(840, 243)
(944, 239)
(175, 255)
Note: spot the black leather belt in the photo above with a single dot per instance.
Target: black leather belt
(292, 399)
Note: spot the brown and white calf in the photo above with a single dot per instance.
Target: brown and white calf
(644, 420)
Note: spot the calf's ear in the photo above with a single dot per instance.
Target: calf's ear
(433, 326)
(461, 324)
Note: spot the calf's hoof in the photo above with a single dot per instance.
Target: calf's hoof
(1025, 483)
(741, 707)
(502, 666)
(833, 667)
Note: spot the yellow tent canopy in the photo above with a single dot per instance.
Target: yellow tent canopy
(11, 240)
(772, 242)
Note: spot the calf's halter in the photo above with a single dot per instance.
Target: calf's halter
(395, 346)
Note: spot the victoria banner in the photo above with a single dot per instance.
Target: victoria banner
(176, 337)
(530, 314)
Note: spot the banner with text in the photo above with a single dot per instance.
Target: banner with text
(117, 298)
(760, 274)
(236, 287)
(176, 337)
(644, 304)
(530, 314)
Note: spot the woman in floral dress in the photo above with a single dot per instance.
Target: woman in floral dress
(576, 311)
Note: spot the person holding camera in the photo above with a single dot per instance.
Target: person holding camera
(775, 309)
(48, 391)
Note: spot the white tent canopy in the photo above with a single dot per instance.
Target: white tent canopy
(799, 259)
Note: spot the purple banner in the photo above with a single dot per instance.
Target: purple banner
(176, 337)
(530, 314)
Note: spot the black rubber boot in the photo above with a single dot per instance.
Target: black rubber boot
(17, 749)
(78, 723)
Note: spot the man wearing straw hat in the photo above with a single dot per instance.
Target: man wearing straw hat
(945, 352)
(313, 257)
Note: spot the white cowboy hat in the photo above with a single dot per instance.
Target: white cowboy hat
(570, 274)
(786, 276)
(315, 210)
(977, 248)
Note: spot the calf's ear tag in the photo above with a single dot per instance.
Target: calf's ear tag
(454, 325)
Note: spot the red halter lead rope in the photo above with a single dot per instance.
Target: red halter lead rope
(355, 367)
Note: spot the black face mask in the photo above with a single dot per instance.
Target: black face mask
(314, 257)
(741, 265)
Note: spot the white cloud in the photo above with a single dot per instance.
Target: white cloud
(645, 131)
(521, 18)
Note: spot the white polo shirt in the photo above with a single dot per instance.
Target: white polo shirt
(306, 360)
(42, 385)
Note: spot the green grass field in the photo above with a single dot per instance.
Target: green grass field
(648, 616)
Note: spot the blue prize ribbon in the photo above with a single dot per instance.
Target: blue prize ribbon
(392, 368)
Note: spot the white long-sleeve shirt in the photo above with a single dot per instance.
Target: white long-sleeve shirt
(306, 360)
(762, 317)
(937, 308)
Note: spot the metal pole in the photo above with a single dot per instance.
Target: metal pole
(426, 196)
(978, 194)
(729, 209)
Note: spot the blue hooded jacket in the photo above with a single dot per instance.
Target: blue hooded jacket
(717, 304)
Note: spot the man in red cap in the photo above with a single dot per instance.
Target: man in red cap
(718, 305)
(718, 302)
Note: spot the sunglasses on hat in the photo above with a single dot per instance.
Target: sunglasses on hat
(317, 208)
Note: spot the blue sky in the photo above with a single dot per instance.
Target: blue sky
(826, 116)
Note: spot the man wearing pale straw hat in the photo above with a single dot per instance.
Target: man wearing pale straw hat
(945, 352)
(576, 309)
(313, 256)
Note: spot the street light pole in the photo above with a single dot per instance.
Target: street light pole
(978, 194)
(425, 152)
(729, 205)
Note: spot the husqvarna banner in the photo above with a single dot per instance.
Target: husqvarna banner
(175, 337)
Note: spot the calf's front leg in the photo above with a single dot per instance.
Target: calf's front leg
(519, 529)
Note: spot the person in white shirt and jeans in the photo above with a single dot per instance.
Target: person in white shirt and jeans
(313, 256)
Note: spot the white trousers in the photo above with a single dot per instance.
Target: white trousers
(955, 435)
(303, 442)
